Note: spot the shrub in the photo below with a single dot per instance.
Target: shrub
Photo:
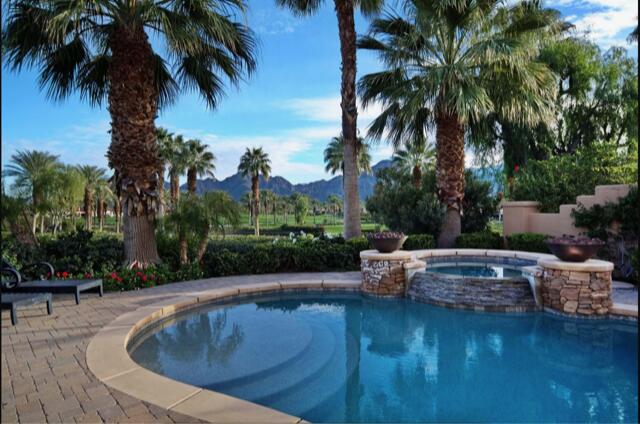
(528, 242)
(598, 218)
(480, 240)
(560, 179)
(419, 241)
(403, 207)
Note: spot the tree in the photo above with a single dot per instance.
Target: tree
(175, 156)
(347, 33)
(102, 50)
(33, 172)
(334, 157)
(196, 217)
(413, 159)
(103, 194)
(92, 176)
(255, 163)
(485, 64)
(334, 203)
(66, 194)
(166, 150)
(198, 161)
(300, 207)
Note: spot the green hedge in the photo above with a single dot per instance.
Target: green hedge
(480, 240)
(528, 242)
(419, 241)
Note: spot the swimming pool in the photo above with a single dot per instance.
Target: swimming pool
(338, 357)
(486, 269)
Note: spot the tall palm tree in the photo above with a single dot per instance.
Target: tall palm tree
(102, 50)
(345, 10)
(413, 159)
(448, 65)
(334, 157)
(175, 154)
(334, 204)
(103, 195)
(254, 163)
(93, 176)
(166, 149)
(198, 161)
(33, 172)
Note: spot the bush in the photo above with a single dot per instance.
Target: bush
(419, 241)
(403, 207)
(528, 242)
(599, 218)
(560, 179)
(480, 240)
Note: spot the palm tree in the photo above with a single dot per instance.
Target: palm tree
(66, 195)
(166, 150)
(413, 159)
(254, 162)
(103, 194)
(33, 171)
(220, 209)
(175, 154)
(198, 161)
(334, 157)
(347, 33)
(334, 204)
(93, 176)
(450, 64)
(102, 50)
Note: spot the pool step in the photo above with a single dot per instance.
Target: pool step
(287, 376)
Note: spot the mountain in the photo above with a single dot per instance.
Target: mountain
(236, 185)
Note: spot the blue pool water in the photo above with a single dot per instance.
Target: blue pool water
(346, 358)
(477, 270)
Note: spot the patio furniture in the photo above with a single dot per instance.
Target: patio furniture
(13, 301)
(26, 272)
(74, 287)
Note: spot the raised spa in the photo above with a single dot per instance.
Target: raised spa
(344, 357)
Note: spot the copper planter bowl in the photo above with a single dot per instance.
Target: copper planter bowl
(388, 245)
(574, 252)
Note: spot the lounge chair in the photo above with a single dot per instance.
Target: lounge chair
(75, 287)
(14, 300)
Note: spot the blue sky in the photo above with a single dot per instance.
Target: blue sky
(290, 106)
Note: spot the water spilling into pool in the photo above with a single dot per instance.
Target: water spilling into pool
(345, 358)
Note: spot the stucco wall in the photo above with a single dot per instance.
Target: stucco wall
(523, 217)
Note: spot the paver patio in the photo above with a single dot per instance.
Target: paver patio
(44, 371)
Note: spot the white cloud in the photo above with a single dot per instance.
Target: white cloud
(607, 22)
(272, 22)
(325, 109)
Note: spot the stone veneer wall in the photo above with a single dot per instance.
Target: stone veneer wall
(383, 277)
(577, 292)
(480, 294)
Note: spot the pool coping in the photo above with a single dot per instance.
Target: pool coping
(108, 358)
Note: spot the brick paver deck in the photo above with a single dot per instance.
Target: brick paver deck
(44, 372)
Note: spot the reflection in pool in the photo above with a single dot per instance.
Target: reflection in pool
(344, 358)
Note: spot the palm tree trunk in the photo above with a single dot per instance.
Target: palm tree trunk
(416, 176)
(175, 189)
(191, 180)
(161, 191)
(42, 224)
(88, 208)
(184, 250)
(117, 210)
(133, 105)
(100, 206)
(202, 244)
(450, 175)
(255, 189)
(347, 33)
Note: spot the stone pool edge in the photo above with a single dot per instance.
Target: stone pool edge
(108, 359)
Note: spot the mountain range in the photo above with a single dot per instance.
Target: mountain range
(236, 185)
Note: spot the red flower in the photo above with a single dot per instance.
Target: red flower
(152, 276)
(65, 274)
(114, 275)
(516, 168)
(119, 279)
(138, 274)
(144, 278)
(58, 274)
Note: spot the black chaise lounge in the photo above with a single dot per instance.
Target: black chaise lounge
(75, 287)
(14, 300)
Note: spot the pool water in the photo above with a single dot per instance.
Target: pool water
(346, 358)
(477, 270)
